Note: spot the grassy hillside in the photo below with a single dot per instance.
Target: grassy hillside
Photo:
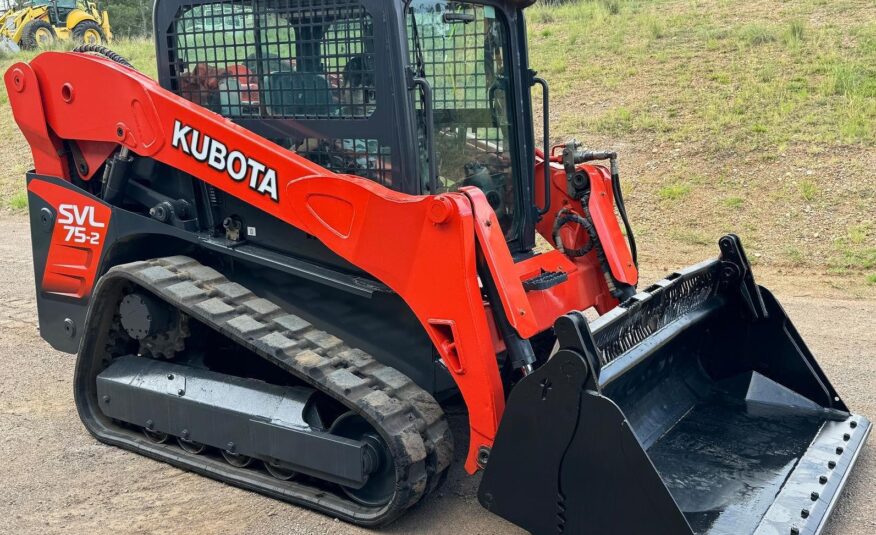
(756, 117)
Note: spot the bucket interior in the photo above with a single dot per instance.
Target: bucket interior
(709, 407)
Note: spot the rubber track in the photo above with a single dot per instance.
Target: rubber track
(408, 418)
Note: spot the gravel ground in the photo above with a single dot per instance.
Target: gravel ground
(58, 479)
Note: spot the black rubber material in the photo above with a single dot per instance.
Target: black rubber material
(80, 29)
(101, 50)
(407, 418)
(28, 34)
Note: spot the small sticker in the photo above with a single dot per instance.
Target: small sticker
(489, 12)
(250, 231)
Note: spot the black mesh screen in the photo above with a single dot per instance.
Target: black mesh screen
(273, 60)
(461, 48)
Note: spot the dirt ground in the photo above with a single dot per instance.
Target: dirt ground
(58, 479)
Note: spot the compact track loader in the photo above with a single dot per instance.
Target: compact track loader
(280, 262)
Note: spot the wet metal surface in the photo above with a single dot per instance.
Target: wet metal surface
(726, 461)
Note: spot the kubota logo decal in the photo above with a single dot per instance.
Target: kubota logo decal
(233, 163)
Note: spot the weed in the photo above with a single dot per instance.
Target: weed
(656, 28)
(859, 233)
(794, 33)
(615, 121)
(673, 192)
(794, 255)
(612, 6)
(692, 237)
(756, 34)
(808, 190)
(871, 279)
(18, 201)
(734, 203)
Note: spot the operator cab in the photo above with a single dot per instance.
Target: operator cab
(423, 96)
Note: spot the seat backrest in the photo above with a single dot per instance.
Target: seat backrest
(299, 94)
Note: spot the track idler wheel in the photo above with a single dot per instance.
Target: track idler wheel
(190, 446)
(380, 487)
(236, 459)
(155, 436)
(279, 471)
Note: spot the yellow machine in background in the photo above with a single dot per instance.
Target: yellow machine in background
(40, 23)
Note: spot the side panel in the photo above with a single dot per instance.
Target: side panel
(80, 224)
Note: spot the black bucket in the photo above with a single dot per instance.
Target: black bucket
(694, 408)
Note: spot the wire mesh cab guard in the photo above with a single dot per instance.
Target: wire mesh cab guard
(301, 73)
(695, 407)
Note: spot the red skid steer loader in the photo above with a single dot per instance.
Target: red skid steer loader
(280, 262)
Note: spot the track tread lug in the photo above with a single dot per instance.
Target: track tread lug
(186, 291)
(292, 323)
(157, 275)
(311, 361)
(347, 382)
(215, 307)
(260, 306)
(322, 340)
(277, 342)
(178, 261)
(245, 325)
(231, 290)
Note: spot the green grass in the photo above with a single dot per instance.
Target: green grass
(857, 249)
(734, 203)
(808, 190)
(18, 201)
(758, 81)
(673, 192)
(871, 279)
(756, 34)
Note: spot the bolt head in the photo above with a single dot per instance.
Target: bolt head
(822, 480)
(181, 392)
(440, 210)
(69, 328)
(106, 399)
(18, 80)
(814, 496)
(839, 450)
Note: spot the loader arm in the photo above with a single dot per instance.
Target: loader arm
(51, 96)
